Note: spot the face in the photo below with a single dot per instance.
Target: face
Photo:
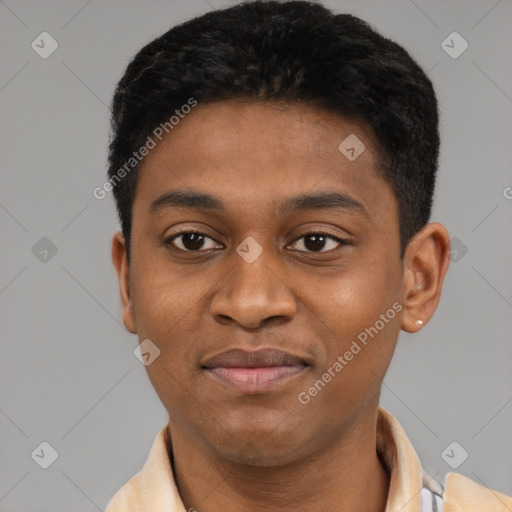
(282, 243)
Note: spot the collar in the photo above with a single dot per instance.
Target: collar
(407, 475)
(154, 488)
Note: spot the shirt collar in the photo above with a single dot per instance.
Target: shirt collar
(154, 488)
(398, 455)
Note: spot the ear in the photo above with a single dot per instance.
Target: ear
(120, 262)
(426, 261)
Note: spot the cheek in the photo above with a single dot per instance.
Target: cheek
(358, 295)
(359, 320)
(359, 347)
(166, 311)
(162, 300)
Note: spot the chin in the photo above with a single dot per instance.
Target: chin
(261, 448)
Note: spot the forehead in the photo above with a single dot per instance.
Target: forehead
(262, 153)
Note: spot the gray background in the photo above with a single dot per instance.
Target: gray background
(68, 375)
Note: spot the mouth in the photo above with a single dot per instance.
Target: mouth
(253, 372)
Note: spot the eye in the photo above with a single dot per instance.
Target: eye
(318, 241)
(190, 241)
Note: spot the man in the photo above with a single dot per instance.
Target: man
(273, 166)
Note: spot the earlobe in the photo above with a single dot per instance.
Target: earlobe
(425, 265)
(119, 259)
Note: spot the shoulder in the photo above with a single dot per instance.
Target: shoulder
(465, 495)
(153, 487)
(129, 498)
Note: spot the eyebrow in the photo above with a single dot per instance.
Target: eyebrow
(335, 200)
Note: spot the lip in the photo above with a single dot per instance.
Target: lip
(257, 371)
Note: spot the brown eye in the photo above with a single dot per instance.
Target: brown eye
(318, 241)
(191, 241)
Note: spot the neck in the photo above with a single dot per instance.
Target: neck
(346, 474)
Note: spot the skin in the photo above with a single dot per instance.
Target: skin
(267, 451)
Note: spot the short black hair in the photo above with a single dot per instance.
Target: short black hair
(294, 51)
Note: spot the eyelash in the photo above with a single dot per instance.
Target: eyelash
(341, 241)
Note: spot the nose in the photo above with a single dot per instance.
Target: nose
(253, 295)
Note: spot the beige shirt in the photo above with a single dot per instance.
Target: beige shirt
(153, 489)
